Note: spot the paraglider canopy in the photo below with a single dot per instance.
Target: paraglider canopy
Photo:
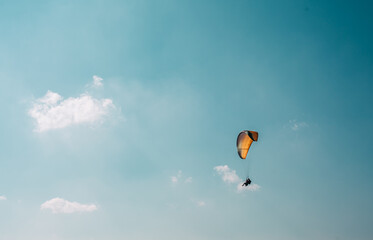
(244, 141)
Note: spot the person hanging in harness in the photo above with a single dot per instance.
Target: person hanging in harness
(247, 182)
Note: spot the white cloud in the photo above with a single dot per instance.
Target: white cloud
(2, 198)
(198, 203)
(251, 187)
(174, 179)
(179, 176)
(201, 203)
(295, 125)
(229, 175)
(188, 180)
(52, 112)
(59, 205)
(97, 81)
(50, 98)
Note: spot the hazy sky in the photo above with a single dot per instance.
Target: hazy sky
(119, 119)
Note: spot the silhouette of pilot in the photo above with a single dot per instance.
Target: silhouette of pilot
(247, 182)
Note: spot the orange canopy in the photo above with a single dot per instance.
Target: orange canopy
(244, 141)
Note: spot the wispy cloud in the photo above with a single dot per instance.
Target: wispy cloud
(229, 176)
(251, 187)
(59, 205)
(52, 112)
(198, 202)
(201, 203)
(174, 179)
(296, 125)
(188, 180)
(2, 198)
(97, 81)
(179, 177)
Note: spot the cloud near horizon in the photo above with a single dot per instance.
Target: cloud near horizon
(2, 198)
(229, 175)
(59, 205)
(52, 112)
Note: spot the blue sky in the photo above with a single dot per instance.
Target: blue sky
(117, 116)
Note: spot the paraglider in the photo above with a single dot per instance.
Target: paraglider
(244, 141)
